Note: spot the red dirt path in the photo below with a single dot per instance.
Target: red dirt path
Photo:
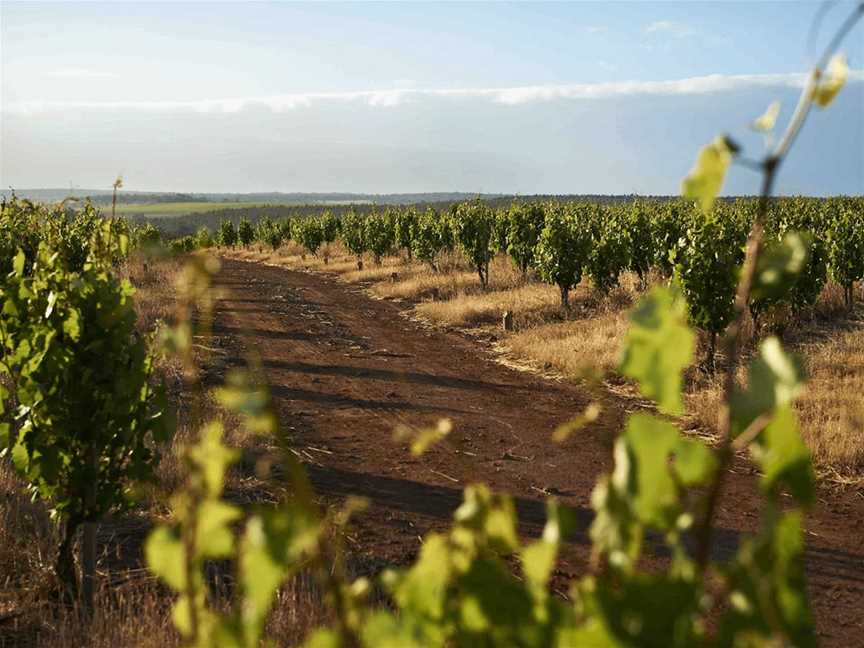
(345, 369)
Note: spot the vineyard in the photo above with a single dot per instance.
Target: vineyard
(221, 439)
(820, 240)
(62, 288)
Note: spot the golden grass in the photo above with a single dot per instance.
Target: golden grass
(530, 303)
(27, 544)
(572, 347)
(454, 278)
(370, 272)
(832, 408)
(151, 277)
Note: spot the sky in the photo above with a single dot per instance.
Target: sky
(599, 97)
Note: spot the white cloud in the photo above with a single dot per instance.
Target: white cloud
(82, 74)
(396, 97)
(671, 28)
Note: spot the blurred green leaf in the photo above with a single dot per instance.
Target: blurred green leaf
(384, 630)
(694, 462)
(424, 438)
(565, 430)
(830, 85)
(775, 379)
(784, 458)
(212, 457)
(768, 119)
(705, 179)
(779, 266)
(166, 557)
(423, 588)
(658, 347)
(242, 395)
(323, 638)
(651, 441)
(214, 538)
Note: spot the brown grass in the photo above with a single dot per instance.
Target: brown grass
(27, 544)
(529, 303)
(151, 277)
(571, 348)
(832, 408)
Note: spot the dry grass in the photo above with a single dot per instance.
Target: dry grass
(530, 303)
(151, 277)
(832, 408)
(454, 279)
(572, 347)
(135, 612)
(27, 544)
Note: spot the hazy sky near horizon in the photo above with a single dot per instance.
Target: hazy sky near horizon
(603, 97)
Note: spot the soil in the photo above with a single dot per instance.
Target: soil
(346, 369)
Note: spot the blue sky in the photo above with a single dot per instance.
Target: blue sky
(605, 97)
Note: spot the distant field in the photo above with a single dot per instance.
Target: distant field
(173, 209)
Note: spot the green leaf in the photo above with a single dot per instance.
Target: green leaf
(20, 457)
(423, 588)
(424, 438)
(501, 526)
(492, 602)
(492, 514)
(658, 347)
(181, 615)
(166, 557)
(72, 324)
(323, 638)
(786, 372)
(651, 441)
(768, 119)
(784, 458)
(212, 457)
(694, 462)
(775, 380)
(243, 396)
(273, 546)
(538, 560)
(705, 179)
(788, 552)
(650, 610)
(384, 630)
(214, 538)
(565, 430)
(829, 86)
(779, 266)
(260, 572)
(768, 587)
(18, 263)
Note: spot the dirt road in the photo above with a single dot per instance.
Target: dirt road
(346, 369)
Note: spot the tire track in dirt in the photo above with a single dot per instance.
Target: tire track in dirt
(345, 369)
